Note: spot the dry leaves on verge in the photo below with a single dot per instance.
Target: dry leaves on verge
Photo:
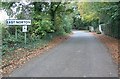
(113, 46)
(17, 60)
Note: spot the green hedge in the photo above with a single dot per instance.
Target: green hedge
(112, 29)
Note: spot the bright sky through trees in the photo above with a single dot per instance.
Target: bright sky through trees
(3, 15)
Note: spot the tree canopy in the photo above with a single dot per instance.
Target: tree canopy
(50, 19)
(107, 13)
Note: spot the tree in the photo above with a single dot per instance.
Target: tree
(102, 13)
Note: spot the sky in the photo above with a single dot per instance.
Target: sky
(3, 16)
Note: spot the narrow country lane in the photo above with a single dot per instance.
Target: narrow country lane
(82, 55)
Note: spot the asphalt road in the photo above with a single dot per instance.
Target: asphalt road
(82, 55)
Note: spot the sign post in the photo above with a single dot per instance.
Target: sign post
(24, 29)
(16, 36)
(25, 38)
(20, 22)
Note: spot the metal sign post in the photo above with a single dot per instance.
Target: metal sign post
(12, 22)
(24, 29)
(25, 38)
(16, 35)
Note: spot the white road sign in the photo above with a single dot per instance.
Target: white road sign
(24, 29)
(18, 22)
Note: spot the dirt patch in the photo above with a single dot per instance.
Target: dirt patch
(17, 61)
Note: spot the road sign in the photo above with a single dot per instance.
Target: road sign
(18, 22)
(24, 29)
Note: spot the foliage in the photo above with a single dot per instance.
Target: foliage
(97, 13)
(67, 24)
(48, 21)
